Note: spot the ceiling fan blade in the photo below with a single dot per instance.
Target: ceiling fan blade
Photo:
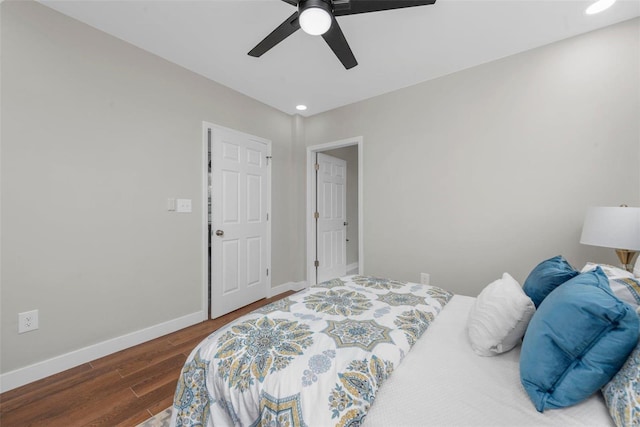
(284, 30)
(291, 2)
(351, 7)
(338, 44)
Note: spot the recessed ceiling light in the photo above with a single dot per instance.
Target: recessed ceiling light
(301, 107)
(599, 6)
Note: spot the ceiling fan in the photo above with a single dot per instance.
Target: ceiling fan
(318, 17)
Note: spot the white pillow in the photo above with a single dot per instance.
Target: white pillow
(610, 271)
(499, 318)
(622, 283)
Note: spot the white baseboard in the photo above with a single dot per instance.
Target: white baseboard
(289, 286)
(37, 371)
(298, 286)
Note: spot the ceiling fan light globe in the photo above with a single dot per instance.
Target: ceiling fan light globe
(315, 21)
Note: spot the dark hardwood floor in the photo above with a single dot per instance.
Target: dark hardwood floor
(122, 389)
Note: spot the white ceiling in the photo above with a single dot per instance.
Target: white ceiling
(394, 49)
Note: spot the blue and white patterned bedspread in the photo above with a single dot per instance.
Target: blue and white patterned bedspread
(316, 358)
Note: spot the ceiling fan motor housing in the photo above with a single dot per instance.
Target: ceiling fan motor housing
(321, 4)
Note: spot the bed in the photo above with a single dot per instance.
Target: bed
(323, 355)
(467, 389)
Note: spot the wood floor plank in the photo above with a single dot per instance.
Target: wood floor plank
(35, 386)
(62, 404)
(201, 329)
(139, 417)
(87, 414)
(35, 391)
(115, 360)
(161, 405)
(167, 372)
(154, 357)
(124, 409)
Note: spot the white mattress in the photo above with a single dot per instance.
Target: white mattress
(442, 382)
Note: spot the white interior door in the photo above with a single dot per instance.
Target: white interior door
(240, 220)
(331, 236)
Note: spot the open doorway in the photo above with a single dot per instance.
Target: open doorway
(349, 150)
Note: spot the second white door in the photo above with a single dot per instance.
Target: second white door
(331, 239)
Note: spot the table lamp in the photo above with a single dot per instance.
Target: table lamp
(614, 227)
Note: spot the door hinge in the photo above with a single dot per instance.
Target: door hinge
(317, 166)
(268, 158)
(316, 215)
(316, 263)
(267, 271)
(267, 216)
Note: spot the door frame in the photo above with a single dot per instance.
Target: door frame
(205, 213)
(311, 194)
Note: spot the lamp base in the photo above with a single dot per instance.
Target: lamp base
(626, 257)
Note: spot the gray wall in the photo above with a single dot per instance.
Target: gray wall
(96, 135)
(350, 155)
(491, 169)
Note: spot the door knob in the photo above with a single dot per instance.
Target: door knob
(219, 233)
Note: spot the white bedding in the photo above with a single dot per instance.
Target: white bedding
(316, 358)
(442, 382)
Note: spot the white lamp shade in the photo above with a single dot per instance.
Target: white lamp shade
(617, 228)
(315, 21)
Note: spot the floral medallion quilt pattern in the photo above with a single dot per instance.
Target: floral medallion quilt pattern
(317, 357)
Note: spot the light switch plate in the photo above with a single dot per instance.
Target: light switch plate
(183, 205)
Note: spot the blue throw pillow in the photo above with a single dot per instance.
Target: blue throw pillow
(577, 340)
(547, 276)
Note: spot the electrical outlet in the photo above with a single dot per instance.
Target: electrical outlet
(27, 321)
(425, 278)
